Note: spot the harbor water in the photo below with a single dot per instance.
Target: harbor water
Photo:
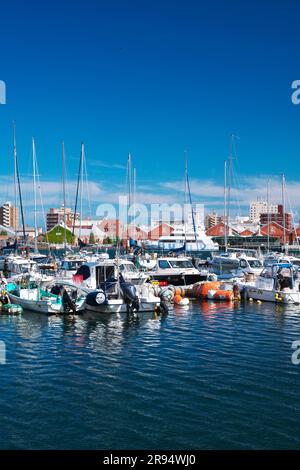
(210, 376)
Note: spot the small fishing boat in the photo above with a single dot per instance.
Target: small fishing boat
(55, 299)
(278, 282)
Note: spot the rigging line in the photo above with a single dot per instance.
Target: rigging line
(18, 180)
(292, 213)
(41, 200)
(87, 189)
(76, 197)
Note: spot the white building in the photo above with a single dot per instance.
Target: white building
(261, 207)
(198, 212)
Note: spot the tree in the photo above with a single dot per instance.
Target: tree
(92, 240)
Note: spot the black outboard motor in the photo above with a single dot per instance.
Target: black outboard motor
(68, 304)
(129, 294)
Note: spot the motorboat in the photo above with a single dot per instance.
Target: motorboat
(91, 274)
(226, 268)
(113, 286)
(55, 299)
(278, 282)
(250, 265)
(176, 271)
(69, 266)
(16, 265)
(186, 238)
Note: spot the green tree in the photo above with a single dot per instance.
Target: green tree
(92, 240)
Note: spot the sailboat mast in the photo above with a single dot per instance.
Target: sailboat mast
(77, 189)
(18, 180)
(191, 202)
(225, 203)
(283, 210)
(268, 215)
(129, 189)
(81, 187)
(229, 175)
(64, 192)
(34, 195)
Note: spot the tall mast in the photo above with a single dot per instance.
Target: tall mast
(191, 202)
(81, 186)
(15, 183)
(77, 189)
(64, 192)
(185, 196)
(229, 176)
(283, 210)
(134, 189)
(129, 189)
(225, 203)
(34, 195)
(18, 179)
(268, 215)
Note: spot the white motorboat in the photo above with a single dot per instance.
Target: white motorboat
(69, 266)
(250, 265)
(91, 274)
(35, 298)
(115, 286)
(176, 271)
(278, 282)
(226, 268)
(184, 237)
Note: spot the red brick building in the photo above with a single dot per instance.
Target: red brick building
(219, 231)
(278, 217)
(277, 231)
(159, 231)
(112, 228)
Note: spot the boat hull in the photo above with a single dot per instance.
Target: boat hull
(38, 306)
(179, 280)
(118, 306)
(273, 296)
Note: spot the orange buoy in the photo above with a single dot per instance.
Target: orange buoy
(177, 299)
(207, 286)
(220, 294)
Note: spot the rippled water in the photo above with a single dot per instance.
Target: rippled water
(213, 376)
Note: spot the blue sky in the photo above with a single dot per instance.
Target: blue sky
(153, 78)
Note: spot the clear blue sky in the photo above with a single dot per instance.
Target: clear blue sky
(153, 78)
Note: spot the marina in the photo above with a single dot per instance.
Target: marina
(215, 376)
(149, 233)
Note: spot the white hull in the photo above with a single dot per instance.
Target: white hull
(39, 306)
(42, 306)
(286, 297)
(118, 306)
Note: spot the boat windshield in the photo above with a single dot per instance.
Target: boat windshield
(254, 263)
(181, 264)
(71, 265)
(130, 268)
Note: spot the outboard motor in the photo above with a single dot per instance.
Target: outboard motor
(68, 304)
(129, 294)
(96, 298)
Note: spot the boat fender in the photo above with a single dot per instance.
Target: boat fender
(180, 300)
